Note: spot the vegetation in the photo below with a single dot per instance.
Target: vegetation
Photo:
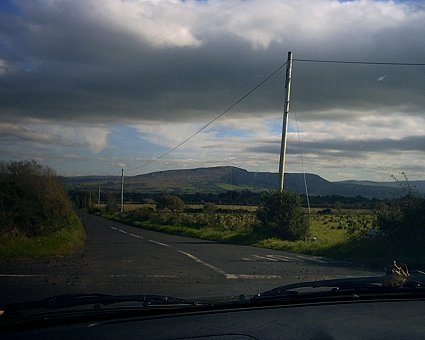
(35, 212)
(170, 202)
(341, 233)
(403, 221)
(61, 242)
(282, 216)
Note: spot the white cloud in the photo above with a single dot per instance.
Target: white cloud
(3, 67)
(169, 23)
(56, 135)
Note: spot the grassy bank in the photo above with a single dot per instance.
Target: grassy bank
(333, 235)
(61, 242)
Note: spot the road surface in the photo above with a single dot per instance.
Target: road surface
(121, 259)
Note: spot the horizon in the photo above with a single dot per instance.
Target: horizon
(230, 166)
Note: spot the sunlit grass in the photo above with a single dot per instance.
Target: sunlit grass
(61, 242)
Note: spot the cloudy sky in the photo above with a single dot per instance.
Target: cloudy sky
(90, 86)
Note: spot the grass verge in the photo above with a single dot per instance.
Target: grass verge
(330, 241)
(62, 242)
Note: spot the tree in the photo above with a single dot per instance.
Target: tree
(170, 202)
(281, 215)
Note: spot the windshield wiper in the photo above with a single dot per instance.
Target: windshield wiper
(97, 301)
(369, 284)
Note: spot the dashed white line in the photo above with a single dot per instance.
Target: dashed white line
(160, 243)
(198, 260)
(134, 235)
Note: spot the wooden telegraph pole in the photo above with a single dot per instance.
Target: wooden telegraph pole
(285, 121)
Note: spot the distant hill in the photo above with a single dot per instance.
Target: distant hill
(228, 178)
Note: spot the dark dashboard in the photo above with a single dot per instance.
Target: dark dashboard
(376, 319)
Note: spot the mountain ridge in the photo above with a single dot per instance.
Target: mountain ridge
(229, 178)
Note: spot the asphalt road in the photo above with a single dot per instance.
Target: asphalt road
(121, 259)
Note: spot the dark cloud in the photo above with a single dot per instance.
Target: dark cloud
(66, 61)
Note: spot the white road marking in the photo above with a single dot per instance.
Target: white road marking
(134, 235)
(20, 275)
(280, 258)
(160, 243)
(193, 257)
(312, 258)
(161, 276)
(264, 258)
(143, 275)
(198, 260)
(253, 276)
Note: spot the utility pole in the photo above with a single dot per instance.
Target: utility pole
(285, 121)
(122, 190)
(98, 197)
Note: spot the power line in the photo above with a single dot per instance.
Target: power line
(260, 84)
(213, 120)
(359, 62)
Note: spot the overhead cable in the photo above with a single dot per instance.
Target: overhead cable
(359, 62)
(213, 120)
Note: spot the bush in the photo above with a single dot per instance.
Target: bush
(282, 216)
(142, 214)
(404, 220)
(32, 200)
(170, 202)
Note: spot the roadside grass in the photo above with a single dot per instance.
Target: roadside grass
(339, 236)
(61, 242)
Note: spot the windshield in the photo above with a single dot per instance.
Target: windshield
(209, 148)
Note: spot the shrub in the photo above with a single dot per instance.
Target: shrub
(209, 207)
(403, 220)
(32, 199)
(282, 216)
(142, 214)
(170, 202)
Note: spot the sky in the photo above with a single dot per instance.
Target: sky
(88, 87)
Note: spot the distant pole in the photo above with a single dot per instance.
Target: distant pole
(285, 121)
(98, 197)
(122, 190)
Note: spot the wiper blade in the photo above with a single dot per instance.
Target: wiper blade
(97, 300)
(370, 284)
